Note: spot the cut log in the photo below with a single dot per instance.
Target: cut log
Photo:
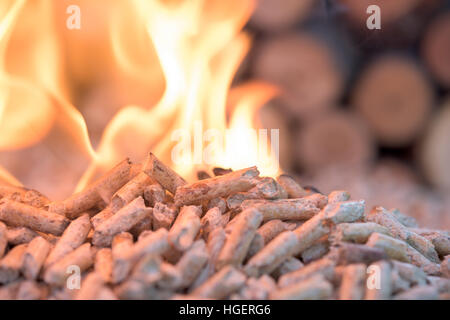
(305, 70)
(334, 139)
(435, 151)
(436, 49)
(271, 15)
(395, 98)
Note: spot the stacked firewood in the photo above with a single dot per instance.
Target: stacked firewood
(143, 232)
(352, 96)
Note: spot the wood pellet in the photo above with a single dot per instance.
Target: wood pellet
(147, 233)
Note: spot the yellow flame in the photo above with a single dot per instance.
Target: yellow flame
(33, 101)
(191, 49)
(199, 45)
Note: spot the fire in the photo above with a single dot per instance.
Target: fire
(189, 49)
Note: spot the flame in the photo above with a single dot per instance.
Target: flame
(7, 179)
(199, 47)
(252, 146)
(180, 55)
(35, 113)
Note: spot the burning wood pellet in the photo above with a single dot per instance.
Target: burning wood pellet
(185, 228)
(287, 266)
(215, 242)
(11, 264)
(272, 228)
(239, 240)
(104, 264)
(221, 171)
(163, 216)
(398, 283)
(220, 186)
(316, 251)
(440, 241)
(445, 267)
(349, 253)
(266, 188)
(272, 255)
(210, 221)
(74, 236)
(122, 220)
(101, 217)
(101, 190)
(338, 196)
(202, 175)
(153, 194)
(219, 203)
(170, 277)
(314, 288)
(398, 230)
(221, 284)
(143, 225)
(21, 215)
(394, 248)
(256, 245)
(256, 289)
(357, 232)
(380, 286)
(289, 209)
(353, 282)
(30, 290)
(23, 195)
(191, 263)
(81, 257)
(165, 176)
(148, 269)
(410, 273)
(91, 287)
(155, 243)
(34, 257)
(3, 239)
(20, 235)
(151, 235)
(121, 264)
(130, 191)
(324, 267)
(419, 293)
(293, 189)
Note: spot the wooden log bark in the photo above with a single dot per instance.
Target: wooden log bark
(395, 98)
(434, 155)
(273, 15)
(305, 70)
(436, 49)
(338, 138)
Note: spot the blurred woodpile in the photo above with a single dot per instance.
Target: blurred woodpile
(363, 110)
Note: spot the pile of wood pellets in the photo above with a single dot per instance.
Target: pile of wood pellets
(142, 232)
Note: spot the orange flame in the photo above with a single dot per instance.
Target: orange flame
(33, 107)
(192, 49)
(199, 46)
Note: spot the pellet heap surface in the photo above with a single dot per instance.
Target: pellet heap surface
(142, 232)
